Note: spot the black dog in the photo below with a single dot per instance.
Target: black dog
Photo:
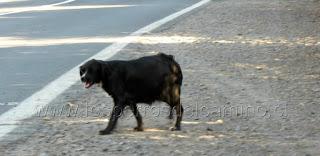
(144, 80)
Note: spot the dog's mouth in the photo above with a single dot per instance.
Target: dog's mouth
(88, 84)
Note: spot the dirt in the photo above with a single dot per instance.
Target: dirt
(251, 87)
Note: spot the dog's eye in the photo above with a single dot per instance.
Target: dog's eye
(82, 70)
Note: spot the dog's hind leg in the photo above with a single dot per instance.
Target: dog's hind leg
(138, 117)
(166, 97)
(179, 112)
(175, 94)
(171, 112)
(116, 112)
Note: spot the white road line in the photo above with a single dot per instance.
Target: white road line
(37, 7)
(11, 119)
(10, 1)
(64, 2)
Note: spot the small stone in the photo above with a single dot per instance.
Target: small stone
(178, 152)
(80, 149)
(138, 146)
(105, 150)
(119, 149)
(259, 68)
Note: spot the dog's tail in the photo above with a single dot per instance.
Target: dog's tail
(174, 66)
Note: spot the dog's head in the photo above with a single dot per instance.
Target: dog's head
(90, 73)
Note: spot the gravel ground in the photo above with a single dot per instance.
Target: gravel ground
(251, 87)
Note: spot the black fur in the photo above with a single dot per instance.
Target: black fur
(143, 80)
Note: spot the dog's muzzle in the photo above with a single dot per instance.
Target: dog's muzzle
(87, 83)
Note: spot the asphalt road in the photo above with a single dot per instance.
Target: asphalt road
(40, 41)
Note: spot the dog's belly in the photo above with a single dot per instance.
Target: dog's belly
(144, 94)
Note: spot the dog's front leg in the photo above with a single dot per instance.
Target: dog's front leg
(136, 113)
(116, 112)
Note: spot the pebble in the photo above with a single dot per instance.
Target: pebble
(80, 149)
(105, 150)
(138, 146)
(209, 129)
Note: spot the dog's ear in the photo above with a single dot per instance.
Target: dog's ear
(81, 69)
(106, 70)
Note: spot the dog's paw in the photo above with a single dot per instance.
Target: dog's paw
(138, 129)
(175, 128)
(104, 132)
